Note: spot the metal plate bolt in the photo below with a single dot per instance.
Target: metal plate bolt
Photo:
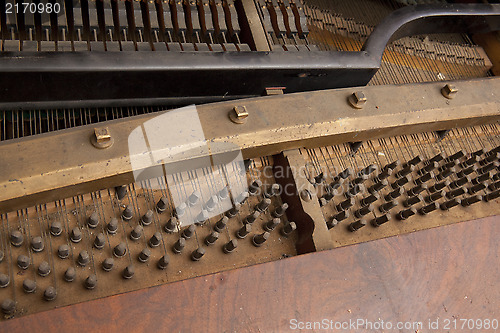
(238, 114)
(449, 91)
(357, 99)
(101, 138)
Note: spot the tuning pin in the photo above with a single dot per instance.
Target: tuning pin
(8, 306)
(272, 191)
(400, 182)
(37, 244)
(180, 210)
(434, 196)
(450, 203)
(128, 272)
(369, 169)
(83, 258)
(445, 174)
(260, 239)
(319, 178)
(16, 238)
(416, 190)
(363, 211)
(263, 205)
(428, 168)
(476, 188)
(233, 211)
(394, 194)
(271, 225)
(93, 220)
(121, 191)
(491, 196)
(75, 235)
(252, 217)
(244, 231)
(383, 175)
(23, 261)
(358, 180)
(171, 225)
(212, 203)
(460, 182)
(354, 190)
(480, 179)
(188, 232)
(63, 251)
(494, 186)
(163, 262)
(212, 238)
(480, 152)
(90, 282)
(55, 228)
(144, 255)
(439, 186)
(155, 240)
(341, 216)
(194, 198)
(99, 241)
(429, 208)
(345, 174)
(221, 224)
(406, 213)
(466, 172)
(70, 274)
(458, 155)
(471, 200)
(108, 264)
(377, 222)
(161, 205)
(424, 178)
(242, 197)
(354, 226)
(136, 233)
(391, 166)
(179, 245)
(29, 286)
(202, 217)
(488, 167)
(469, 162)
(50, 293)
(369, 199)
(405, 171)
(412, 200)
(43, 268)
(288, 228)
(489, 159)
(223, 194)
(147, 218)
(120, 250)
(456, 193)
(230, 246)
(280, 210)
(127, 213)
(254, 187)
(387, 206)
(346, 204)
(378, 186)
(112, 226)
(438, 158)
(4, 280)
(198, 254)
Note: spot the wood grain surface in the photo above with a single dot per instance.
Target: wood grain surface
(437, 274)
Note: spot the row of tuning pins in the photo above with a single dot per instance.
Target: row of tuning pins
(453, 172)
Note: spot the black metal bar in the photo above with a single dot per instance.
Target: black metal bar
(52, 79)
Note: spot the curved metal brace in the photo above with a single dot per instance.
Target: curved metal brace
(90, 79)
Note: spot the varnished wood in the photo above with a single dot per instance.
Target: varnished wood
(447, 272)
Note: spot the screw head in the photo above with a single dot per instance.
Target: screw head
(238, 114)
(101, 138)
(357, 99)
(306, 195)
(449, 91)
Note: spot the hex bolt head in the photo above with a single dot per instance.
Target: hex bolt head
(238, 114)
(101, 138)
(449, 91)
(357, 99)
